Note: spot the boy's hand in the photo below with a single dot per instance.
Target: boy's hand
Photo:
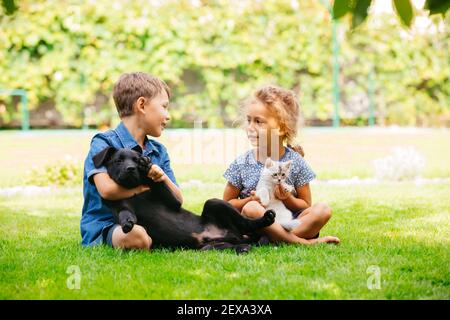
(139, 189)
(156, 174)
(281, 193)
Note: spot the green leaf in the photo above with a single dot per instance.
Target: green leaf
(340, 8)
(437, 6)
(9, 6)
(404, 11)
(360, 12)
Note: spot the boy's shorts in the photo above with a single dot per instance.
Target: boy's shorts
(107, 235)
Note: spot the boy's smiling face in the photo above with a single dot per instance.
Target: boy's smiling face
(156, 114)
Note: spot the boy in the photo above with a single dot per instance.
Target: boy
(142, 102)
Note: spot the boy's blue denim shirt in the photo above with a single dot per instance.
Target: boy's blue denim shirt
(96, 218)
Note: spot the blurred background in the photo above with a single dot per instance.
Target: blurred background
(373, 83)
(66, 55)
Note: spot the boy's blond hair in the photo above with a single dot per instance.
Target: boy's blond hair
(131, 86)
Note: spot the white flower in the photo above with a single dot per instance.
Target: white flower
(405, 163)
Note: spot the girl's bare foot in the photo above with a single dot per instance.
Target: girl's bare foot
(329, 239)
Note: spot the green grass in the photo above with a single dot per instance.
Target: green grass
(400, 228)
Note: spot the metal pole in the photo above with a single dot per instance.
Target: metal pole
(24, 105)
(371, 97)
(85, 125)
(336, 89)
(25, 113)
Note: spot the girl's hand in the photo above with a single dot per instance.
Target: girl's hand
(254, 197)
(281, 193)
(157, 174)
(329, 239)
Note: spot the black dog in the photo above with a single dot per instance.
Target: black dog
(160, 213)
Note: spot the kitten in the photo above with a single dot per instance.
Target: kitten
(275, 173)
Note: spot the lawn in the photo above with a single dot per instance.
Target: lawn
(400, 230)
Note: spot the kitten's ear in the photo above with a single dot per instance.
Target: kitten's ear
(287, 165)
(269, 163)
(103, 156)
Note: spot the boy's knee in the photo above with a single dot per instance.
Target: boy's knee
(253, 209)
(137, 238)
(323, 210)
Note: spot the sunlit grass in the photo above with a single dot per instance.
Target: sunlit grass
(402, 229)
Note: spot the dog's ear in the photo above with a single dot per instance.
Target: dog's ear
(103, 156)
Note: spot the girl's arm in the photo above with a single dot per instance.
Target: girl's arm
(302, 201)
(231, 194)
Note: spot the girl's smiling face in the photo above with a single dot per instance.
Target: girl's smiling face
(261, 125)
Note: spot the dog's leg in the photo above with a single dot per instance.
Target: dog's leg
(224, 215)
(124, 213)
(127, 220)
(165, 194)
(239, 249)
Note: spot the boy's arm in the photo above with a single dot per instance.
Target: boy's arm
(110, 190)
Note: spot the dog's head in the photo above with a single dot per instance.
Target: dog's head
(126, 167)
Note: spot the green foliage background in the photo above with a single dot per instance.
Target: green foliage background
(213, 54)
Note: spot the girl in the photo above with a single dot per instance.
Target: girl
(272, 115)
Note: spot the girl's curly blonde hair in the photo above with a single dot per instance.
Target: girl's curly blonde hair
(283, 104)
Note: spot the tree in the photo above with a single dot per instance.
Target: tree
(358, 9)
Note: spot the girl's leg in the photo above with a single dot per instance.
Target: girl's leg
(275, 232)
(313, 219)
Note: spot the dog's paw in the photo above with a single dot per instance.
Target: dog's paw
(242, 248)
(263, 241)
(269, 216)
(127, 226)
(144, 165)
